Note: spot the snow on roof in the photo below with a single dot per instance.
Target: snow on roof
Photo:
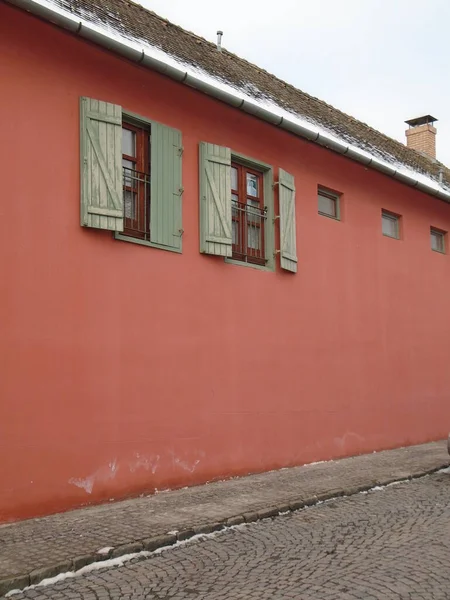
(155, 42)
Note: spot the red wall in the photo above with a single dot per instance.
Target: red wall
(125, 368)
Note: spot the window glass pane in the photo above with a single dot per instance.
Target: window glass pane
(235, 232)
(434, 241)
(128, 164)
(235, 217)
(253, 211)
(252, 185)
(234, 178)
(327, 206)
(128, 142)
(253, 224)
(389, 225)
(437, 241)
(253, 237)
(129, 201)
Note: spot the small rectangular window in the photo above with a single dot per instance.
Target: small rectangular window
(136, 180)
(437, 238)
(390, 224)
(328, 203)
(248, 214)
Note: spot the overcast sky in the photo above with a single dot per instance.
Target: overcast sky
(381, 61)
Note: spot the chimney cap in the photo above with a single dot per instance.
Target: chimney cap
(425, 120)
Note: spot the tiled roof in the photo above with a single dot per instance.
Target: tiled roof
(132, 20)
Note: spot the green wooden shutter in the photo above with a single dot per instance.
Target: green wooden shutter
(288, 249)
(215, 200)
(166, 186)
(101, 165)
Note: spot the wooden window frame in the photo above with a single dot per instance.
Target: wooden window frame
(250, 255)
(269, 230)
(434, 231)
(140, 226)
(335, 197)
(393, 217)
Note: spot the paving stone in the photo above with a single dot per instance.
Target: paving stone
(159, 542)
(388, 544)
(127, 549)
(41, 544)
(232, 521)
(13, 583)
(38, 575)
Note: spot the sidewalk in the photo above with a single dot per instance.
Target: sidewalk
(38, 548)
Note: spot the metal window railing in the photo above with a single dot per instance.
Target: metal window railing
(136, 200)
(248, 225)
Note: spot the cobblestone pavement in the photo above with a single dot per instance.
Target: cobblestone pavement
(392, 543)
(37, 548)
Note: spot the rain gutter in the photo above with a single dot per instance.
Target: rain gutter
(64, 19)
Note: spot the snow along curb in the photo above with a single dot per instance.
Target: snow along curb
(107, 557)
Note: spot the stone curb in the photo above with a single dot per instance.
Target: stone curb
(160, 541)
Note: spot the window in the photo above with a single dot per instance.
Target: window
(237, 219)
(118, 153)
(136, 180)
(437, 238)
(390, 224)
(328, 203)
(248, 214)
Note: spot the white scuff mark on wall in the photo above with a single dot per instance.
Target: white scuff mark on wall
(341, 441)
(149, 463)
(86, 484)
(186, 466)
(102, 474)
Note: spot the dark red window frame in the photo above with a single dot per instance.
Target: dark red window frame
(246, 216)
(136, 181)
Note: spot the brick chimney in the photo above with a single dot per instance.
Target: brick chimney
(421, 135)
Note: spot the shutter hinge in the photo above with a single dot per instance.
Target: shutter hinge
(275, 218)
(181, 191)
(180, 233)
(180, 150)
(275, 252)
(275, 183)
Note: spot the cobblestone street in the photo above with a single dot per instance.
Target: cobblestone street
(388, 543)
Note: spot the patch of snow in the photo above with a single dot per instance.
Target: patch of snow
(319, 462)
(105, 550)
(446, 470)
(244, 94)
(121, 560)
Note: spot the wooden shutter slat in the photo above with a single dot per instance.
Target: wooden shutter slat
(106, 118)
(166, 186)
(101, 165)
(215, 200)
(288, 242)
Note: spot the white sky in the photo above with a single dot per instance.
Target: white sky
(381, 61)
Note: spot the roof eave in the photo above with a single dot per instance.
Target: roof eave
(61, 18)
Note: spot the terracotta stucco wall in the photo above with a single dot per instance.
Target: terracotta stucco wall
(125, 368)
